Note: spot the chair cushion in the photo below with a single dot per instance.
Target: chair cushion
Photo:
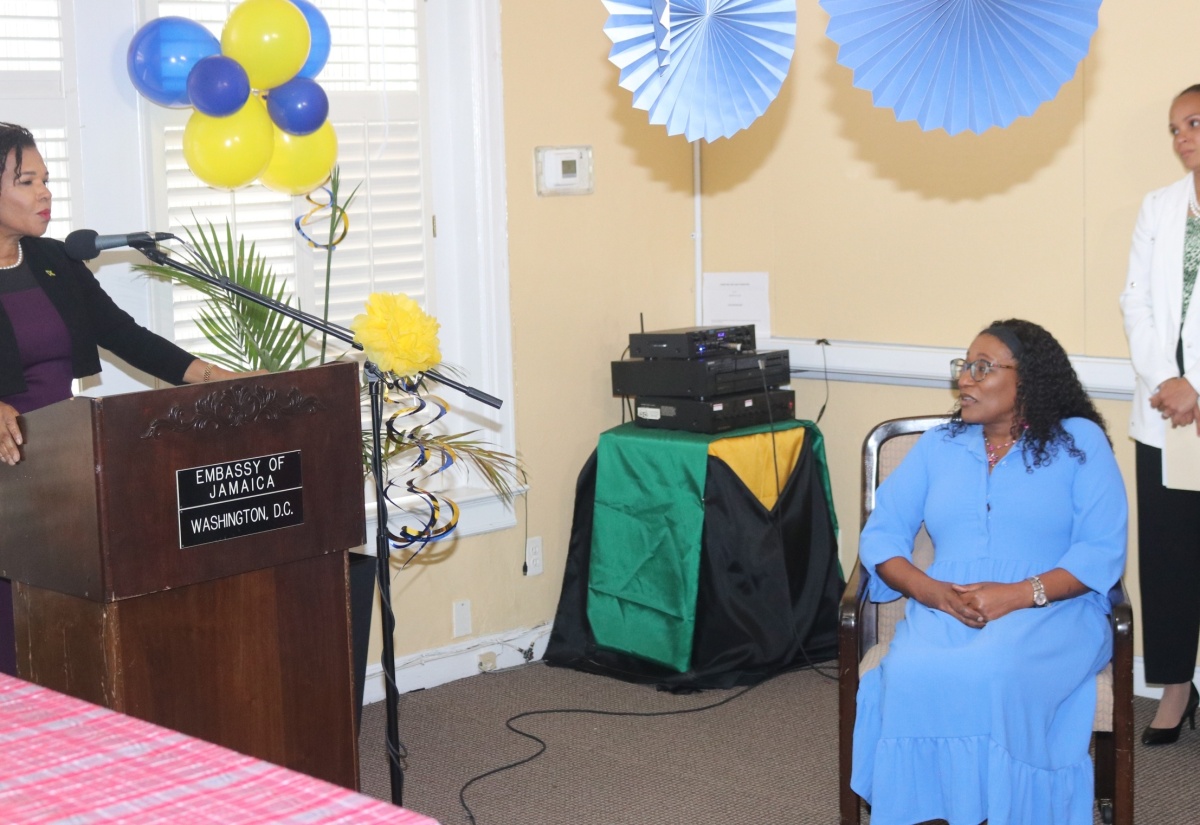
(1104, 700)
(872, 658)
(887, 614)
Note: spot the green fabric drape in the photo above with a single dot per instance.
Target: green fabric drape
(647, 538)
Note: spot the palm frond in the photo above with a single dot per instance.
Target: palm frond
(247, 336)
(500, 471)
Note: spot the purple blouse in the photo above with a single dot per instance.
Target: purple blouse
(42, 338)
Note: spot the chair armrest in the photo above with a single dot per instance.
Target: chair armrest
(1122, 626)
(851, 615)
(1122, 610)
(1121, 771)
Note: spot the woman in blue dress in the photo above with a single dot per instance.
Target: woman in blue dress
(982, 709)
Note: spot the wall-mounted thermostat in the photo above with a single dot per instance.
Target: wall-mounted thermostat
(563, 170)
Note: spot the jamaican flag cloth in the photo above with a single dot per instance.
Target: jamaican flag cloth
(698, 560)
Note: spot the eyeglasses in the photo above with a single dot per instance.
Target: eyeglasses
(979, 368)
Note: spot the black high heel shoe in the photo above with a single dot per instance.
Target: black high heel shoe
(1167, 736)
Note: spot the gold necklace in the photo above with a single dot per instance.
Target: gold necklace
(20, 258)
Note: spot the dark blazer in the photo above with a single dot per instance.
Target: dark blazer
(91, 318)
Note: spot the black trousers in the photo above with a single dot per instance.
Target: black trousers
(1169, 572)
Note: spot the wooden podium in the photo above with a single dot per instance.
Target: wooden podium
(179, 555)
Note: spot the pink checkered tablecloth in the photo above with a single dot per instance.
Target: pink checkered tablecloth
(65, 761)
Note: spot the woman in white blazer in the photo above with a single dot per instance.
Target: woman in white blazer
(1162, 323)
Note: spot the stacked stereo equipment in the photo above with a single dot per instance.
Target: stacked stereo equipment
(704, 380)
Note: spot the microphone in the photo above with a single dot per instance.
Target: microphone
(85, 244)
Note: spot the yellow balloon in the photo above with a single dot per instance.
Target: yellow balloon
(301, 163)
(269, 38)
(228, 152)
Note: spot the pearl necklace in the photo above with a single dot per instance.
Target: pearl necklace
(994, 453)
(20, 257)
(1193, 203)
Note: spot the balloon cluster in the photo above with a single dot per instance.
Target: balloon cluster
(259, 113)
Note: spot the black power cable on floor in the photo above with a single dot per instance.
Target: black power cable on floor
(510, 724)
(809, 664)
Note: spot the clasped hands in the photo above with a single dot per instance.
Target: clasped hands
(977, 604)
(1176, 400)
(973, 604)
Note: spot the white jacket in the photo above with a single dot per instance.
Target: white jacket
(1152, 302)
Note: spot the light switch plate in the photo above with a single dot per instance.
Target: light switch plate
(462, 618)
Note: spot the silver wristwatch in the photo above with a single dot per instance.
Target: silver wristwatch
(1039, 591)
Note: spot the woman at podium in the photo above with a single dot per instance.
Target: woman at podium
(53, 317)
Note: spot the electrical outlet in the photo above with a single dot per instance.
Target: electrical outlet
(462, 618)
(487, 661)
(533, 556)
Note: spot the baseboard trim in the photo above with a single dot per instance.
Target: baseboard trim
(431, 668)
(449, 664)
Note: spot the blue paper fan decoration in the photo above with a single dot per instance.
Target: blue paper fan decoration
(961, 64)
(661, 18)
(704, 68)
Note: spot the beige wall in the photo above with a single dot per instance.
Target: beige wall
(871, 230)
(835, 198)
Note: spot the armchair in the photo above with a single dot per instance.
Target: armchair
(866, 628)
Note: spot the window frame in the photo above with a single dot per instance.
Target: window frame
(469, 203)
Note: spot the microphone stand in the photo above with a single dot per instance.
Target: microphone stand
(375, 382)
(152, 251)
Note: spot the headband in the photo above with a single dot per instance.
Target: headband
(1006, 337)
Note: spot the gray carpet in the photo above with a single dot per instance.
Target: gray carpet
(769, 756)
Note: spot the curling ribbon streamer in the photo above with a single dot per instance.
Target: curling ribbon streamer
(432, 527)
(430, 531)
(307, 218)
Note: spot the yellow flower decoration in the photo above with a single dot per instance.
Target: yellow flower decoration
(397, 334)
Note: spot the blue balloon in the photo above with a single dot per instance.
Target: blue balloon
(298, 107)
(162, 54)
(218, 86)
(318, 51)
